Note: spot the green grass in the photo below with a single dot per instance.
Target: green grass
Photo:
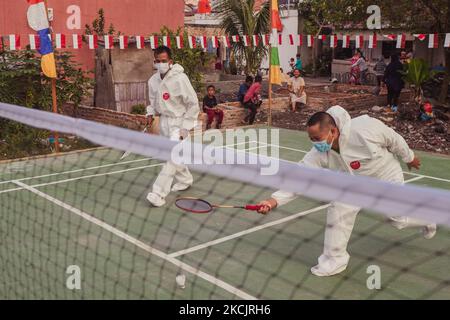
(39, 239)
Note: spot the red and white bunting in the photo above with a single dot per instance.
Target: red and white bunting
(333, 41)
(60, 41)
(359, 41)
(390, 36)
(214, 42)
(345, 41)
(180, 42)
(235, 38)
(192, 42)
(246, 40)
(93, 41)
(420, 36)
(291, 39)
(34, 41)
(166, 41)
(310, 40)
(433, 41)
(140, 42)
(322, 37)
(300, 40)
(203, 42)
(266, 40)
(123, 42)
(153, 42)
(77, 41)
(14, 42)
(255, 40)
(401, 41)
(226, 41)
(447, 41)
(109, 42)
(373, 41)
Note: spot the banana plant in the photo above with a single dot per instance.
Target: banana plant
(416, 73)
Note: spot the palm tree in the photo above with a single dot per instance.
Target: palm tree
(240, 18)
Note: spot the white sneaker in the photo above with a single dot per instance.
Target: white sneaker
(155, 200)
(317, 271)
(180, 187)
(429, 231)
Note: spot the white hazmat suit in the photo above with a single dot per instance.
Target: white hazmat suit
(369, 148)
(175, 101)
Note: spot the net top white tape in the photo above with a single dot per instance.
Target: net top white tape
(392, 200)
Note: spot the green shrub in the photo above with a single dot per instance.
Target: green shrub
(139, 109)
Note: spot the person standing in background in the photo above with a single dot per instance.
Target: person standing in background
(394, 82)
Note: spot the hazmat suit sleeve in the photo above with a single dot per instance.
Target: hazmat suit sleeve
(311, 160)
(152, 98)
(190, 101)
(391, 140)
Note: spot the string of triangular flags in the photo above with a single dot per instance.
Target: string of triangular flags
(75, 41)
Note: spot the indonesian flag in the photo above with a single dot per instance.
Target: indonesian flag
(235, 38)
(345, 41)
(401, 41)
(420, 36)
(300, 40)
(390, 36)
(322, 37)
(179, 40)
(310, 40)
(255, 40)
(246, 40)
(214, 42)
(266, 40)
(140, 42)
(433, 41)
(333, 41)
(372, 41)
(203, 42)
(93, 41)
(447, 41)
(359, 41)
(166, 41)
(14, 42)
(77, 42)
(226, 41)
(109, 42)
(34, 41)
(291, 39)
(154, 42)
(123, 42)
(60, 41)
(192, 42)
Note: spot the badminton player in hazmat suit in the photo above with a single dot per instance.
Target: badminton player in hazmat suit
(172, 97)
(361, 146)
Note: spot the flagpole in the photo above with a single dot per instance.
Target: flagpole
(54, 98)
(269, 118)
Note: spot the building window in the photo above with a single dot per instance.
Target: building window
(344, 53)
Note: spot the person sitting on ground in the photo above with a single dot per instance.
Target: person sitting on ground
(211, 109)
(297, 92)
(243, 88)
(252, 100)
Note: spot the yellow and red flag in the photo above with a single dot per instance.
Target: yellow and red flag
(275, 72)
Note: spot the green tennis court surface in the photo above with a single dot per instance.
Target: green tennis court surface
(88, 209)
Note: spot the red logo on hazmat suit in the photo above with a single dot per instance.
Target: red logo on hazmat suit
(166, 96)
(355, 165)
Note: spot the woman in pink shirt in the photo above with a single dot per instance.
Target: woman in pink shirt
(252, 100)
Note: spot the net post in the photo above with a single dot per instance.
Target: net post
(269, 118)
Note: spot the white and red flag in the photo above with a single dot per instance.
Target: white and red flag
(203, 42)
(345, 41)
(93, 41)
(14, 42)
(300, 40)
(373, 41)
(433, 41)
(333, 41)
(359, 41)
(153, 42)
(166, 41)
(447, 41)
(109, 42)
(192, 42)
(123, 42)
(180, 42)
(310, 40)
(77, 41)
(255, 40)
(401, 41)
(420, 36)
(235, 38)
(60, 41)
(34, 41)
(291, 39)
(140, 42)
(226, 41)
(246, 40)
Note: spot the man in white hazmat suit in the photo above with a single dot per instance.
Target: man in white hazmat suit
(172, 97)
(361, 146)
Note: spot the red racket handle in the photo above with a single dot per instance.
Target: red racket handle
(253, 207)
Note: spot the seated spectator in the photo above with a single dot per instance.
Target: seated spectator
(253, 101)
(297, 91)
(211, 109)
(244, 88)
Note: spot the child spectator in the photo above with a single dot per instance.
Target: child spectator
(252, 100)
(244, 88)
(211, 109)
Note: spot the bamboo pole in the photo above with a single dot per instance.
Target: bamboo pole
(269, 118)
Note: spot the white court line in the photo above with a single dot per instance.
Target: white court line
(196, 272)
(77, 170)
(255, 229)
(303, 151)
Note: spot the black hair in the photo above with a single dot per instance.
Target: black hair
(249, 79)
(298, 55)
(163, 49)
(210, 86)
(322, 118)
(258, 78)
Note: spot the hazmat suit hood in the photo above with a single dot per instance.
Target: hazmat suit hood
(175, 70)
(343, 122)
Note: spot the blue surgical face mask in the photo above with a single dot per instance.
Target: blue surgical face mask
(323, 146)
